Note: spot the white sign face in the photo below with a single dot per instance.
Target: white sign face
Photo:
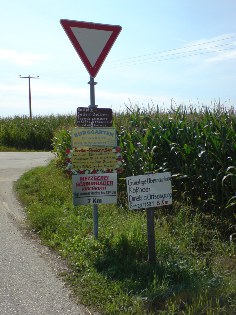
(94, 188)
(151, 190)
(92, 41)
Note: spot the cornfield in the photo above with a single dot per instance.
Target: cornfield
(32, 134)
(198, 147)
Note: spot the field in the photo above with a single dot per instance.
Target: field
(22, 133)
(197, 147)
(195, 271)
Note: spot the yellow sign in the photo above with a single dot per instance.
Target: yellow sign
(93, 137)
(95, 159)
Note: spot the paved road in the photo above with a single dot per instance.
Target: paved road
(28, 281)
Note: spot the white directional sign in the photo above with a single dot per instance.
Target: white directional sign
(150, 190)
(92, 41)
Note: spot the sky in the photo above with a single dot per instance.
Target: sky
(169, 53)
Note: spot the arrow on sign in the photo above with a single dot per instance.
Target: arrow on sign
(92, 41)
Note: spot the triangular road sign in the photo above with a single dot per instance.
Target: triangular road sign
(92, 41)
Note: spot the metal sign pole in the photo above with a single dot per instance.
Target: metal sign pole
(92, 105)
(151, 235)
(92, 92)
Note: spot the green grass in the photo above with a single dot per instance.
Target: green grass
(7, 149)
(13, 149)
(195, 271)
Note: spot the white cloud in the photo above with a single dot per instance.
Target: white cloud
(62, 98)
(45, 90)
(59, 99)
(59, 90)
(20, 58)
(220, 48)
(223, 56)
(10, 88)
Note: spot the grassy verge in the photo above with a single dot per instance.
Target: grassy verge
(7, 149)
(195, 271)
(13, 149)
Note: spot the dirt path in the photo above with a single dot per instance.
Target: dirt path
(28, 281)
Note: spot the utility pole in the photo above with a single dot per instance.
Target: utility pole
(29, 77)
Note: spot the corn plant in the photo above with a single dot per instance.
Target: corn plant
(34, 134)
(197, 147)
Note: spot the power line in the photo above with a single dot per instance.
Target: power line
(169, 58)
(179, 52)
(174, 49)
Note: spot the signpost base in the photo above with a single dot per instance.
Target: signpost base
(151, 236)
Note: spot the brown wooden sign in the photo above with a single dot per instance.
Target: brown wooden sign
(94, 117)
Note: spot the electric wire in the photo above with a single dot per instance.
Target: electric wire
(176, 53)
(169, 58)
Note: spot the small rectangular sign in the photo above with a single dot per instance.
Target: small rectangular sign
(93, 137)
(98, 159)
(94, 188)
(151, 190)
(94, 117)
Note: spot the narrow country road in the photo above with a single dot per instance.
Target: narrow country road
(28, 281)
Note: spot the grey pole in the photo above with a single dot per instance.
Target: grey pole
(95, 207)
(92, 92)
(29, 77)
(30, 109)
(151, 236)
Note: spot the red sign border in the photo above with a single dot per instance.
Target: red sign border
(93, 70)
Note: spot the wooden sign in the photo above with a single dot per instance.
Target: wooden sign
(94, 117)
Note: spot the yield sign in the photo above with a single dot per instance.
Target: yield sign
(92, 41)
